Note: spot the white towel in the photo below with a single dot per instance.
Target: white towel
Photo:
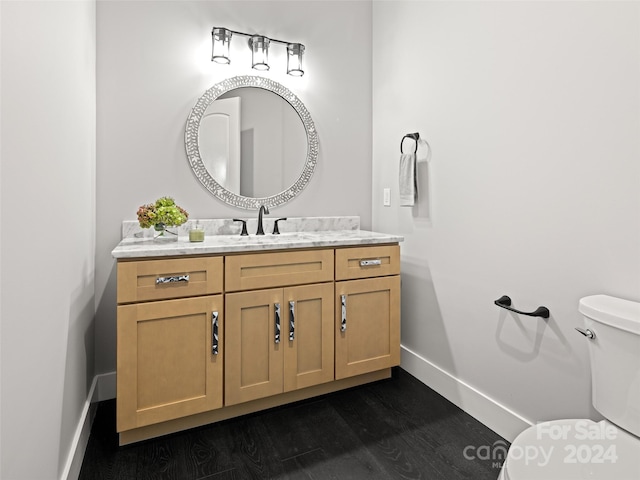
(408, 184)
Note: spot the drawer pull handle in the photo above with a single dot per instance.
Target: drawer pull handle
(343, 323)
(214, 333)
(172, 279)
(292, 321)
(277, 332)
(369, 263)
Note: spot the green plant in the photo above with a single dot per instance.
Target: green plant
(163, 213)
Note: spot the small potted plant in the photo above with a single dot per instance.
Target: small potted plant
(162, 214)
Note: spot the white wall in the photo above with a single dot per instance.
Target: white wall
(532, 110)
(48, 231)
(153, 65)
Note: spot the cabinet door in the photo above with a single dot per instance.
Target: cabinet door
(253, 345)
(166, 366)
(367, 327)
(308, 336)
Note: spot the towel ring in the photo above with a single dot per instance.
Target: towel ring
(413, 136)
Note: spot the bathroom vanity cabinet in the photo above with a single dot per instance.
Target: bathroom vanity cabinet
(278, 339)
(367, 307)
(167, 314)
(202, 338)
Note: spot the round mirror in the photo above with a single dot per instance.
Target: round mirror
(250, 141)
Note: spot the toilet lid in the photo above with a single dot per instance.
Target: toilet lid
(574, 450)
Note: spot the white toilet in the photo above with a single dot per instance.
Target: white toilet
(582, 448)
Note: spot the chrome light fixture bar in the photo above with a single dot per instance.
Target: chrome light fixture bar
(259, 45)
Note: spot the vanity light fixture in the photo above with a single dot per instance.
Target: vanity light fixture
(221, 38)
(294, 59)
(259, 45)
(259, 52)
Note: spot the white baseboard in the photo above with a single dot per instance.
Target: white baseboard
(73, 464)
(103, 387)
(494, 415)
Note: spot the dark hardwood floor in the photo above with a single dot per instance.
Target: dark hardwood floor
(392, 429)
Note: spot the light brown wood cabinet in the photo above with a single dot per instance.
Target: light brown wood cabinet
(204, 338)
(368, 331)
(367, 307)
(278, 340)
(166, 365)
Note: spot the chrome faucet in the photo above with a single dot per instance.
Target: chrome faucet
(262, 210)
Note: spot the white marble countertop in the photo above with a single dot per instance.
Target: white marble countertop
(315, 233)
(145, 247)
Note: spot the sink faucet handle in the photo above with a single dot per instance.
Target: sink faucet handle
(276, 230)
(244, 226)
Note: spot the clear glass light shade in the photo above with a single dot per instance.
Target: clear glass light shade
(221, 38)
(294, 59)
(259, 52)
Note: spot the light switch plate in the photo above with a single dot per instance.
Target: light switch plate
(386, 194)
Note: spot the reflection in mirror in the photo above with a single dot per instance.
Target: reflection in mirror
(219, 139)
(251, 142)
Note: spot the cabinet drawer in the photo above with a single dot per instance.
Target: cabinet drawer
(172, 278)
(279, 269)
(363, 262)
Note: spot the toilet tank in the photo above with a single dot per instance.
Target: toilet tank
(614, 353)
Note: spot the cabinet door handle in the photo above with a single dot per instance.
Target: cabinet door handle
(214, 333)
(343, 324)
(172, 279)
(292, 321)
(368, 263)
(277, 332)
